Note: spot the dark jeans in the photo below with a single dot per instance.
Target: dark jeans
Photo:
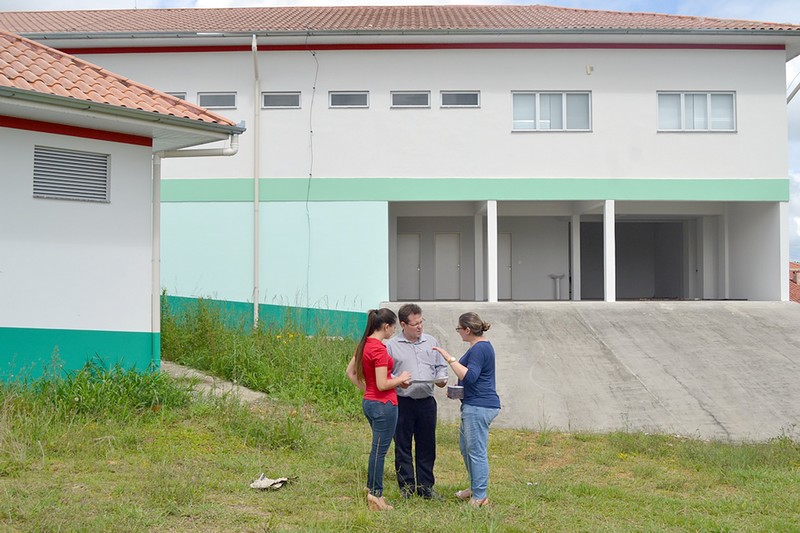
(382, 419)
(416, 420)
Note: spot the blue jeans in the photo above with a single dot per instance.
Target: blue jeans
(474, 444)
(382, 419)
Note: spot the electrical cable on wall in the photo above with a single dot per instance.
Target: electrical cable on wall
(310, 169)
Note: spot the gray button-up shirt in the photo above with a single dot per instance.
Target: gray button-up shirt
(420, 360)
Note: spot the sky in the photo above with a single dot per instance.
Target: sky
(762, 10)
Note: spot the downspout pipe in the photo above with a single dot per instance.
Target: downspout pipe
(256, 176)
(155, 299)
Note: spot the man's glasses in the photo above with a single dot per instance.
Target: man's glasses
(414, 325)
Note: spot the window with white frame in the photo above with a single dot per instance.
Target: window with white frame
(551, 111)
(461, 98)
(411, 98)
(70, 174)
(220, 100)
(348, 98)
(281, 100)
(696, 111)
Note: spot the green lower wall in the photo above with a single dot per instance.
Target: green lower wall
(476, 189)
(28, 353)
(308, 320)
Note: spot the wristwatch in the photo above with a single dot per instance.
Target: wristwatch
(451, 361)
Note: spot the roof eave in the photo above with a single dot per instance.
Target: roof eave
(117, 111)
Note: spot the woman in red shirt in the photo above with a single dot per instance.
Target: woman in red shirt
(370, 370)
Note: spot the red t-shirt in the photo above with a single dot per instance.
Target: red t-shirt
(375, 355)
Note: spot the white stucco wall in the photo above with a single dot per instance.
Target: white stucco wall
(755, 250)
(72, 264)
(434, 142)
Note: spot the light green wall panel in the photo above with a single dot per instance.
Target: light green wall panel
(475, 189)
(30, 353)
(325, 255)
(207, 250)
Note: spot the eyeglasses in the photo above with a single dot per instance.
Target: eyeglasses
(461, 329)
(413, 325)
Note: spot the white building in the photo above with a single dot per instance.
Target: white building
(78, 258)
(463, 152)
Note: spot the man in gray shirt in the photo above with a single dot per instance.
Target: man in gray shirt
(412, 350)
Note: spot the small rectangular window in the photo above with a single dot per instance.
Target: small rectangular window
(461, 98)
(696, 111)
(411, 99)
(70, 174)
(349, 98)
(288, 100)
(182, 96)
(217, 100)
(551, 111)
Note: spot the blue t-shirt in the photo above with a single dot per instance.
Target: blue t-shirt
(479, 383)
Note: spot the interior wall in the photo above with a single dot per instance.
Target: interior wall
(649, 260)
(427, 227)
(668, 259)
(539, 247)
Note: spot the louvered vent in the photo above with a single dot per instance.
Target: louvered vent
(69, 174)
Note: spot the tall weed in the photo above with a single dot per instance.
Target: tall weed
(286, 364)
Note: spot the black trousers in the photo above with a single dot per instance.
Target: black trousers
(416, 421)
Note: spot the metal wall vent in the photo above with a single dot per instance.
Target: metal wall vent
(70, 174)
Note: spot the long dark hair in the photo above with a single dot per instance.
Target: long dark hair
(376, 318)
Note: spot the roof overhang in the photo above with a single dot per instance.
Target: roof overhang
(790, 40)
(167, 132)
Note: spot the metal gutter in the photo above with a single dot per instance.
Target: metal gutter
(116, 111)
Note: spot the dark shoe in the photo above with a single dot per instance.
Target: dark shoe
(430, 494)
(406, 494)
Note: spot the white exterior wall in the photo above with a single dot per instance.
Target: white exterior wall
(70, 264)
(437, 142)
(755, 231)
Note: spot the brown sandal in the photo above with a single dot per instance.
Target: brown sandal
(465, 494)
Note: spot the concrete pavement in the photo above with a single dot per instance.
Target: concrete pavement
(721, 370)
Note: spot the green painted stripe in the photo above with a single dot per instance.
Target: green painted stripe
(310, 321)
(475, 189)
(28, 353)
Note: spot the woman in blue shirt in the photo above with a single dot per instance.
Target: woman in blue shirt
(481, 404)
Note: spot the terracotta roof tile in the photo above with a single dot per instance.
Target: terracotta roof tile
(363, 18)
(30, 66)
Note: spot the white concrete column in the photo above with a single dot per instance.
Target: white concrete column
(609, 252)
(392, 254)
(575, 268)
(478, 231)
(724, 253)
(784, 249)
(491, 249)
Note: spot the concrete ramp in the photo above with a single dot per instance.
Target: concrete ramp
(719, 370)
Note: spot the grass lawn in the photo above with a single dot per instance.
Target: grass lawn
(111, 450)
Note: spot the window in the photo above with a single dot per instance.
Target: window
(696, 111)
(348, 99)
(70, 175)
(411, 99)
(288, 100)
(217, 100)
(551, 111)
(461, 98)
(182, 96)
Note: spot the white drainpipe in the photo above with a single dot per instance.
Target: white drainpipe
(256, 175)
(155, 301)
